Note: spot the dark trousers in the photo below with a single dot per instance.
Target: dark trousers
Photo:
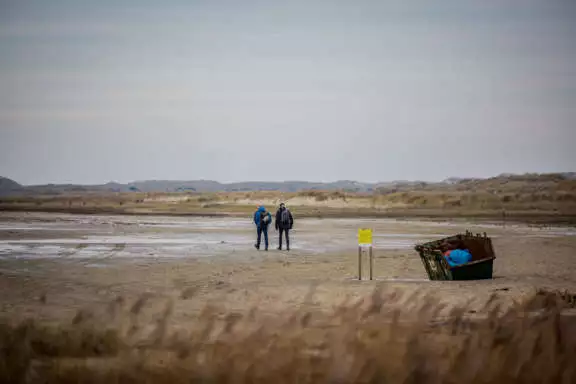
(260, 230)
(285, 230)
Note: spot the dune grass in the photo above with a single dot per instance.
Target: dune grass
(384, 338)
(553, 201)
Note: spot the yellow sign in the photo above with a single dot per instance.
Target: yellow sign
(364, 236)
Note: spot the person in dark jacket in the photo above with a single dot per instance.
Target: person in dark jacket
(284, 223)
(262, 219)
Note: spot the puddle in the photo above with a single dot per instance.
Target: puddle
(95, 265)
(39, 228)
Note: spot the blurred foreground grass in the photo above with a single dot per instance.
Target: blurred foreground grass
(385, 338)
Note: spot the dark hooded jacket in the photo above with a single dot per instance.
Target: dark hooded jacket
(279, 224)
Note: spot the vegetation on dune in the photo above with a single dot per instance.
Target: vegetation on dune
(387, 337)
(522, 196)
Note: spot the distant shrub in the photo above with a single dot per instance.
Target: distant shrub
(453, 203)
(338, 195)
(310, 193)
(566, 197)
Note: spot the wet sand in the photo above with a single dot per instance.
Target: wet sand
(52, 265)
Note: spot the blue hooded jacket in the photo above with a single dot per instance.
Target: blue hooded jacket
(258, 213)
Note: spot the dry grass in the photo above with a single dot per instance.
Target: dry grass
(387, 337)
(521, 197)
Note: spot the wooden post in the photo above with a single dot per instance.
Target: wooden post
(359, 263)
(371, 262)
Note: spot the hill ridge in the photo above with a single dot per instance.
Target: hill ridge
(9, 186)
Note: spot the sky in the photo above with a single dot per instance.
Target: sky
(367, 90)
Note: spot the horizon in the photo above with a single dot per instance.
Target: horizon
(303, 90)
(504, 174)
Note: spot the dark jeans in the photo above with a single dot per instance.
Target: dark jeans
(285, 230)
(261, 230)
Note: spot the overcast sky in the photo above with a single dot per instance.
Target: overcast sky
(370, 90)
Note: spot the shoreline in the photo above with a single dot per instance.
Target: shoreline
(524, 217)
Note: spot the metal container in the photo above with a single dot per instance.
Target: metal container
(481, 266)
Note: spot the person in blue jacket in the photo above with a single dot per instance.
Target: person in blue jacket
(262, 219)
(457, 254)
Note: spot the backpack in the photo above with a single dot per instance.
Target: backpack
(264, 218)
(285, 218)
